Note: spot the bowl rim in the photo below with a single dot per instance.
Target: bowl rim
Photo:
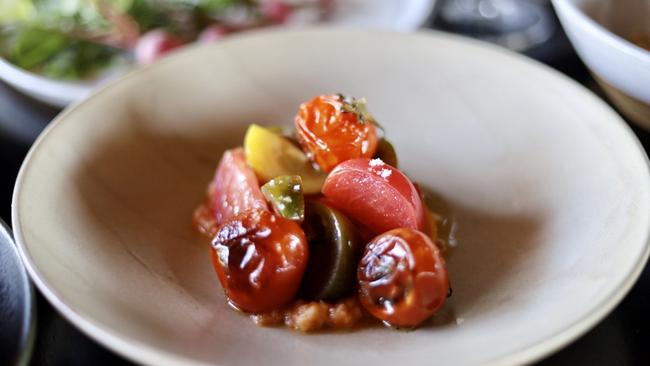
(591, 25)
(140, 352)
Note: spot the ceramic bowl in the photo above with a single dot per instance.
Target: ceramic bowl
(601, 32)
(399, 15)
(549, 188)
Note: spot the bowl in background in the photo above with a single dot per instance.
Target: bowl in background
(57, 93)
(549, 188)
(398, 15)
(600, 31)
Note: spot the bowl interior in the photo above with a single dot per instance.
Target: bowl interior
(549, 189)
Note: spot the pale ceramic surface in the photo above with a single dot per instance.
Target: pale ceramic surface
(550, 187)
(399, 15)
(596, 29)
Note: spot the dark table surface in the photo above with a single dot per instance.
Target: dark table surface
(620, 339)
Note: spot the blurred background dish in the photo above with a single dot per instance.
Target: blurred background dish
(16, 304)
(519, 25)
(59, 51)
(613, 40)
(58, 93)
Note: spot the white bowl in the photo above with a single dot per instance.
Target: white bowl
(54, 92)
(550, 189)
(399, 15)
(599, 29)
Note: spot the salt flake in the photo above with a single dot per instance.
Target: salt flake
(385, 173)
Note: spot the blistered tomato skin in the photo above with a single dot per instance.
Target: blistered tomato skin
(235, 188)
(402, 278)
(332, 130)
(375, 194)
(260, 259)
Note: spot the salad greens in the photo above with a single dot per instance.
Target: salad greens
(78, 39)
(57, 38)
(56, 55)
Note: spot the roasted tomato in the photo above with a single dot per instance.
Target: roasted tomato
(235, 188)
(260, 259)
(332, 129)
(402, 278)
(375, 194)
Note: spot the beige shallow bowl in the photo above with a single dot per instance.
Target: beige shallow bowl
(550, 188)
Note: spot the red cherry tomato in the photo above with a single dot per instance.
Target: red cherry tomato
(213, 33)
(154, 44)
(275, 11)
(402, 278)
(235, 188)
(260, 259)
(375, 194)
(332, 130)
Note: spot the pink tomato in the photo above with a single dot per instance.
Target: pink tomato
(235, 188)
(375, 194)
(275, 11)
(213, 33)
(154, 44)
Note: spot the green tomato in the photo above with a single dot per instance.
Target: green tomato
(334, 250)
(386, 152)
(284, 193)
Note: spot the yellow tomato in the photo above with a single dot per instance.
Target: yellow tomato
(271, 155)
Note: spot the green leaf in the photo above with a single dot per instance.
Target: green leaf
(56, 55)
(147, 15)
(66, 14)
(57, 15)
(122, 5)
(34, 46)
(215, 5)
(16, 10)
(62, 66)
(80, 60)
